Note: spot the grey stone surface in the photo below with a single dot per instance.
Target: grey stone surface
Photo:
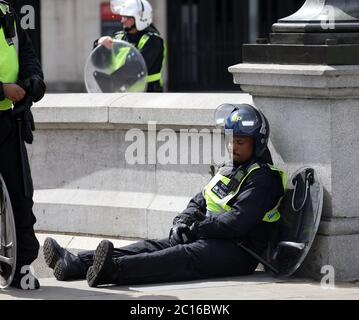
(160, 214)
(110, 213)
(175, 109)
(305, 81)
(340, 252)
(345, 155)
(73, 108)
(339, 226)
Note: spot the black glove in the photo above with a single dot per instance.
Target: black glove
(183, 234)
(176, 234)
(35, 87)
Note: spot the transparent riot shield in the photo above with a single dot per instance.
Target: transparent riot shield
(117, 70)
(7, 238)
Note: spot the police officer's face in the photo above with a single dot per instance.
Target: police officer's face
(241, 149)
(127, 22)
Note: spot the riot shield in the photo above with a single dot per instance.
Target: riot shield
(301, 211)
(117, 70)
(7, 238)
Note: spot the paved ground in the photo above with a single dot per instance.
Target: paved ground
(259, 286)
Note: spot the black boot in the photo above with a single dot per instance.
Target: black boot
(66, 265)
(104, 269)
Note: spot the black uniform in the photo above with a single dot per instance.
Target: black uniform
(10, 160)
(216, 253)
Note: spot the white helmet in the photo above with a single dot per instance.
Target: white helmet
(115, 6)
(141, 10)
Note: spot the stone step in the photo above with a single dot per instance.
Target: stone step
(106, 213)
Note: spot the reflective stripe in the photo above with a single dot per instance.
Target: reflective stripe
(157, 76)
(9, 63)
(154, 77)
(218, 205)
(119, 60)
(143, 42)
(4, 8)
(163, 61)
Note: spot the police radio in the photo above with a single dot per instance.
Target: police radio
(7, 20)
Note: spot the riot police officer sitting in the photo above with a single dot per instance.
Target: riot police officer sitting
(238, 206)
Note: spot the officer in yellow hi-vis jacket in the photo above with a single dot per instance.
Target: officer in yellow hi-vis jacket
(21, 83)
(236, 211)
(136, 18)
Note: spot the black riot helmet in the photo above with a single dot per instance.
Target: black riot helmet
(245, 120)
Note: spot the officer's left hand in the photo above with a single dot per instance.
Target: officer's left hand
(183, 234)
(35, 87)
(176, 234)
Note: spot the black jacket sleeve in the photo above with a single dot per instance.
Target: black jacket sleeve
(29, 63)
(195, 211)
(260, 193)
(152, 50)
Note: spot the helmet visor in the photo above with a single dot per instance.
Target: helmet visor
(222, 113)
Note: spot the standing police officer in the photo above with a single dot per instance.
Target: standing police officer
(136, 18)
(237, 208)
(21, 83)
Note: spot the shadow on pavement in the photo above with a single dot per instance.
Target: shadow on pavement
(68, 293)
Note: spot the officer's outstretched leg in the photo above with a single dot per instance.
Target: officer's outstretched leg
(66, 265)
(198, 260)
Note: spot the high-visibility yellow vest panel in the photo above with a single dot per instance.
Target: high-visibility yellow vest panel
(217, 200)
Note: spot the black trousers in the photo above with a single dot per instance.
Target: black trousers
(11, 170)
(155, 261)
